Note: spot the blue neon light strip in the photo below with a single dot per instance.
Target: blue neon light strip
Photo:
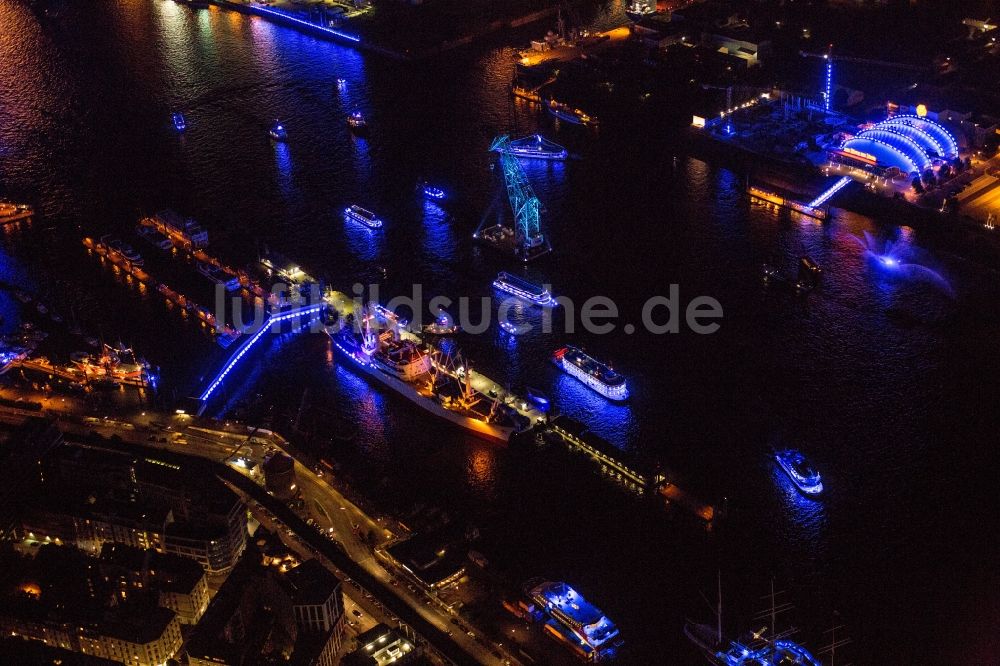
(337, 33)
(833, 189)
(890, 148)
(245, 347)
(909, 146)
(916, 133)
(829, 85)
(932, 127)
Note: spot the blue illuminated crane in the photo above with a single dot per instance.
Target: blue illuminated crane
(829, 57)
(528, 237)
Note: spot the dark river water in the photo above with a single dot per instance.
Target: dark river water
(888, 382)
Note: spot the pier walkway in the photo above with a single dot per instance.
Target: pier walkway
(619, 466)
(308, 313)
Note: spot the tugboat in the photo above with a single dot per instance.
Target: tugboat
(357, 122)
(179, 123)
(278, 132)
(800, 471)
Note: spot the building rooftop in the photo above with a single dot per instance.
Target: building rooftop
(62, 585)
(382, 645)
(172, 573)
(432, 557)
(311, 583)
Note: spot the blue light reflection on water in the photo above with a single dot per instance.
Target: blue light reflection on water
(283, 163)
(439, 239)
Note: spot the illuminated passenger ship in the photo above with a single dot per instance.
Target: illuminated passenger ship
(800, 471)
(583, 627)
(365, 217)
(592, 372)
(527, 291)
(537, 146)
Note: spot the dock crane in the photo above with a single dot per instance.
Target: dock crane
(828, 56)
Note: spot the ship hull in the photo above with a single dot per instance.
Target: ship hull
(486, 431)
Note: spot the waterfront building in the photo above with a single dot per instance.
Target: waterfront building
(61, 599)
(96, 496)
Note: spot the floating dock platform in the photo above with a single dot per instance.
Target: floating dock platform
(638, 476)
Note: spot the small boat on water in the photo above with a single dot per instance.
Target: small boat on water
(443, 325)
(365, 217)
(341, 83)
(41, 309)
(180, 124)
(278, 132)
(357, 121)
(800, 471)
(569, 114)
(508, 328)
(431, 192)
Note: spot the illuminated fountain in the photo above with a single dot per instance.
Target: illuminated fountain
(895, 259)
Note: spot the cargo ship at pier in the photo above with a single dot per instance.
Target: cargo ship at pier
(423, 375)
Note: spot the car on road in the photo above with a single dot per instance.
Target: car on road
(357, 613)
